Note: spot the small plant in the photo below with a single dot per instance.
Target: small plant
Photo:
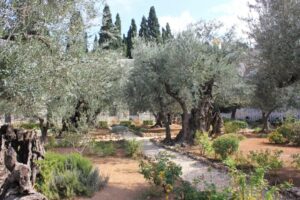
(162, 172)
(101, 148)
(30, 126)
(204, 141)
(266, 159)
(277, 138)
(148, 122)
(125, 123)
(103, 124)
(67, 176)
(225, 145)
(234, 126)
(132, 148)
(296, 160)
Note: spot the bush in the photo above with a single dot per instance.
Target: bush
(30, 126)
(234, 126)
(125, 123)
(148, 122)
(226, 145)
(67, 176)
(266, 159)
(296, 160)
(162, 172)
(101, 148)
(119, 129)
(290, 131)
(205, 143)
(187, 192)
(277, 138)
(103, 124)
(132, 148)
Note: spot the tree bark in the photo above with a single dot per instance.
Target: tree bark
(44, 126)
(158, 120)
(265, 117)
(233, 113)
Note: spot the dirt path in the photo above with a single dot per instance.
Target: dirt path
(125, 182)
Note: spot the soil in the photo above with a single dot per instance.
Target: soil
(125, 181)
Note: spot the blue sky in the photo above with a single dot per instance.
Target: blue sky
(178, 13)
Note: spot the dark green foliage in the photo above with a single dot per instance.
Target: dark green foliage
(118, 23)
(225, 145)
(125, 123)
(101, 148)
(153, 26)
(131, 34)
(166, 33)
(109, 36)
(187, 192)
(289, 132)
(30, 126)
(148, 122)
(144, 31)
(234, 126)
(103, 124)
(132, 148)
(67, 176)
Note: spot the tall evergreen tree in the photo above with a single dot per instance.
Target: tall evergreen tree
(132, 32)
(166, 33)
(107, 29)
(95, 45)
(118, 23)
(153, 26)
(144, 31)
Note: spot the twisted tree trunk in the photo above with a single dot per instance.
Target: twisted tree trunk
(19, 151)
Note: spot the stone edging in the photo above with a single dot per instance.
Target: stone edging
(293, 193)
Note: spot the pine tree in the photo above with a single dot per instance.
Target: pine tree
(86, 43)
(144, 31)
(166, 33)
(131, 34)
(153, 26)
(118, 23)
(105, 35)
(95, 45)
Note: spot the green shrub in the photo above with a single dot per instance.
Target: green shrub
(125, 123)
(290, 132)
(225, 145)
(119, 129)
(296, 160)
(234, 126)
(67, 176)
(51, 142)
(30, 126)
(266, 159)
(162, 172)
(132, 148)
(277, 138)
(188, 192)
(101, 148)
(204, 141)
(103, 124)
(148, 122)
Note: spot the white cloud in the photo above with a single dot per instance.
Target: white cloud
(177, 23)
(232, 13)
(126, 5)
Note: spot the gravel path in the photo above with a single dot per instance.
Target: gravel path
(191, 169)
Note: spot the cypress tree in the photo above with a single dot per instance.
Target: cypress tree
(131, 34)
(166, 33)
(95, 45)
(144, 32)
(118, 23)
(106, 28)
(153, 26)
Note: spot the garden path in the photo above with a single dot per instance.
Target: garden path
(191, 169)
